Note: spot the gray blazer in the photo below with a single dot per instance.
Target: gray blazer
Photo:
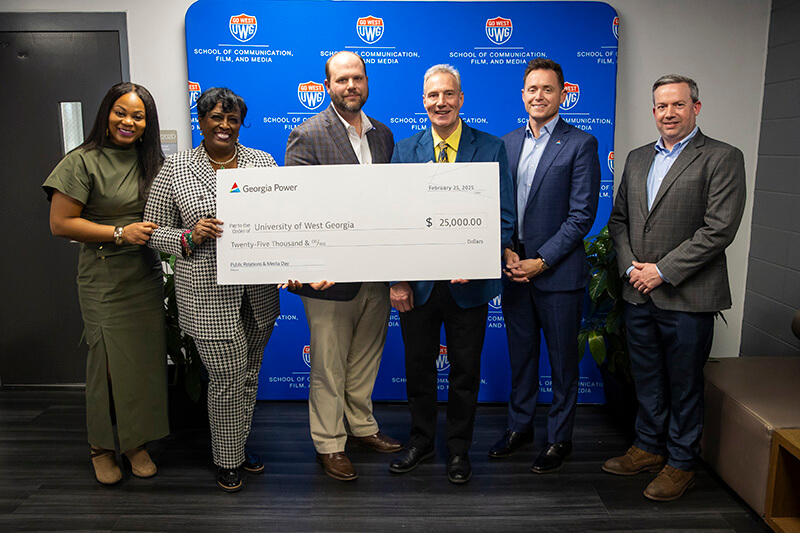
(182, 193)
(694, 217)
(322, 140)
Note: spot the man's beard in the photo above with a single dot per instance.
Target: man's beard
(351, 107)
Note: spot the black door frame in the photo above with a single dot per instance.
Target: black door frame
(72, 21)
(77, 21)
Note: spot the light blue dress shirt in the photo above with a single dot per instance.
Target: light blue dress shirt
(662, 162)
(532, 150)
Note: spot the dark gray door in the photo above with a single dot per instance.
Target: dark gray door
(40, 318)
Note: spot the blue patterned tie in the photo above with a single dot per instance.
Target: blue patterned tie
(442, 152)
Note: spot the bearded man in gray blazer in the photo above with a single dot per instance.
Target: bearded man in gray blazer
(348, 321)
(679, 205)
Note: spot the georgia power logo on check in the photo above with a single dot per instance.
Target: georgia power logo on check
(369, 29)
(499, 30)
(311, 94)
(243, 27)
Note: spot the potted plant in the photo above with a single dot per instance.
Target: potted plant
(603, 328)
(187, 373)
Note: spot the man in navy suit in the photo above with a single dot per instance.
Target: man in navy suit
(461, 305)
(556, 173)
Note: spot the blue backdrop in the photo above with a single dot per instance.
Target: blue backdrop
(273, 54)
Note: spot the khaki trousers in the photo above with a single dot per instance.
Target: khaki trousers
(347, 339)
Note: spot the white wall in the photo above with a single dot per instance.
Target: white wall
(722, 44)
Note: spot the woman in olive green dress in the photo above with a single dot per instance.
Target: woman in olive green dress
(97, 194)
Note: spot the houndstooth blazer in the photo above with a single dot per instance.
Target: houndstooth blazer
(323, 140)
(693, 219)
(182, 193)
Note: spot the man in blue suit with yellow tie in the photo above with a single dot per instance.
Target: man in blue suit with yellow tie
(461, 305)
(556, 172)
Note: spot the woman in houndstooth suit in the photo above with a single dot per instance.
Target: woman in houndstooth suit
(231, 324)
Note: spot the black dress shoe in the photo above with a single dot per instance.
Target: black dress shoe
(410, 458)
(458, 468)
(510, 443)
(552, 457)
(229, 479)
(252, 462)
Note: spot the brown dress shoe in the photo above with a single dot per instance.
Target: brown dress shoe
(141, 464)
(634, 461)
(377, 442)
(669, 484)
(337, 465)
(106, 469)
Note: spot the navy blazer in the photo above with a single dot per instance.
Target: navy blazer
(561, 206)
(475, 145)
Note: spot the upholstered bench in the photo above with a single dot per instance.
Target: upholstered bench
(747, 398)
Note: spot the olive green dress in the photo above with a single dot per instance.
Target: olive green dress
(121, 298)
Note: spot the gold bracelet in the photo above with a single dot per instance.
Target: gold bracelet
(118, 232)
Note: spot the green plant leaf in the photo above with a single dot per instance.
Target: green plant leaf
(598, 284)
(614, 320)
(597, 346)
(583, 337)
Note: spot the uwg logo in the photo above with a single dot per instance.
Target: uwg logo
(611, 161)
(615, 27)
(311, 94)
(573, 95)
(442, 362)
(194, 94)
(307, 355)
(369, 29)
(498, 30)
(243, 27)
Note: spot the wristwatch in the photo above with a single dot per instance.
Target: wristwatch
(544, 263)
(118, 231)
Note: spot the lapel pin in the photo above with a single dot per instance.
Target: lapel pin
(558, 142)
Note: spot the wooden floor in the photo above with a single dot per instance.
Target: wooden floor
(47, 482)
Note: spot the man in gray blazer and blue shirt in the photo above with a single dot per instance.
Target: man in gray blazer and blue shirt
(679, 205)
(348, 321)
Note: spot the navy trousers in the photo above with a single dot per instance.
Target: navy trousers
(668, 350)
(528, 312)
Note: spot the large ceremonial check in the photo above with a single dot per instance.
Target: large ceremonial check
(359, 223)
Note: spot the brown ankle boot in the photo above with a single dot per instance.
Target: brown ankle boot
(634, 461)
(669, 484)
(105, 465)
(141, 464)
